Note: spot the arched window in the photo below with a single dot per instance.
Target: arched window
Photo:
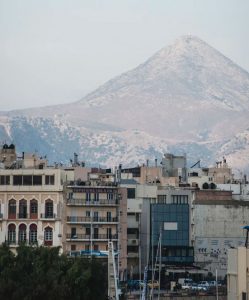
(11, 234)
(212, 186)
(12, 209)
(48, 236)
(23, 209)
(22, 235)
(33, 234)
(49, 209)
(205, 186)
(33, 209)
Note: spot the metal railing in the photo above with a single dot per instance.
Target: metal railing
(83, 202)
(48, 216)
(73, 219)
(94, 236)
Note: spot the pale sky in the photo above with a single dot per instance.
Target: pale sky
(56, 51)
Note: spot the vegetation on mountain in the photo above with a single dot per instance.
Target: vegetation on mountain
(42, 273)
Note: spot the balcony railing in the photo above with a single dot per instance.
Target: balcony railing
(11, 242)
(73, 219)
(94, 237)
(100, 202)
(48, 216)
(21, 242)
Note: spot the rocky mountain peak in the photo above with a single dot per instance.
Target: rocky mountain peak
(186, 97)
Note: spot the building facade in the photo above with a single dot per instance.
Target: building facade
(31, 206)
(95, 215)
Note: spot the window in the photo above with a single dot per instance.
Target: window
(33, 209)
(110, 196)
(33, 234)
(137, 217)
(96, 197)
(95, 216)
(96, 247)
(49, 209)
(27, 179)
(48, 236)
(22, 234)
(161, 198)
(73, 247)
(130, 193)
(17, 180)
(12, 234)
(87, 247)
(88, 196)
(88, 231)
(4, 180)
(37, 180)
(179, 199)
(109, 233)
(73, 232)
(23, 209)
(12, 209)
(109, 216)
(49, 179)
(88, 214)
(95, 233)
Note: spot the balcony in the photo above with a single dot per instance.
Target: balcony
(132, 254)
(50, 217)
(83, 202)
(132, 242)
(72, 219)
(87, 237)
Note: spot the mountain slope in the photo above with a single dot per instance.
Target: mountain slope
(187, 97)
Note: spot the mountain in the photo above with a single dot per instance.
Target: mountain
(187, 97)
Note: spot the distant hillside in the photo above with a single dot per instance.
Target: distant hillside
(187, 97)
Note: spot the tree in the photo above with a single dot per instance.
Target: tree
(38, 273)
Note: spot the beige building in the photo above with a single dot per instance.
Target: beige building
(96, 214)
(31, 206)
(77, 208)
(209, 178)
(238, 274)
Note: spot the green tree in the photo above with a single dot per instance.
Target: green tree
(38, 273)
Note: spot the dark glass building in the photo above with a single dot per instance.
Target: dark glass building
(173, 221)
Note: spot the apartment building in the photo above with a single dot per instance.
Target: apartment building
(210, 177)
(31, 202)
(95, 214)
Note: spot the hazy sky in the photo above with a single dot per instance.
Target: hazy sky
(55, 51)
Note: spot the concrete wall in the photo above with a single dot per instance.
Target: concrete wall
(216, 229)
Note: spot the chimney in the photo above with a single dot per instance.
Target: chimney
(119, 172)
(75, 159)
(156, 162)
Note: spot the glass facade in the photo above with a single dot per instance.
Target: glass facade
(173, 221)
